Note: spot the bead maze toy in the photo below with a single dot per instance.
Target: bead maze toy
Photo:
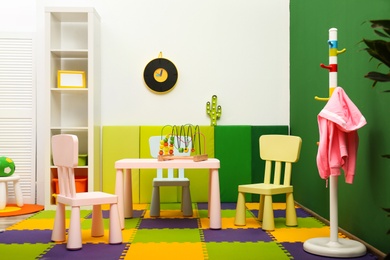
(187, 135)
(213, 110)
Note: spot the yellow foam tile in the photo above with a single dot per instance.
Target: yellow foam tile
(229, 223)
(275, 205)
(140, 206)
(38, 224)
(252, 205)
(168, 251)
(171, 214)
(300, 234)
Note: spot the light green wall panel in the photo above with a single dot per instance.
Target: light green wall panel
(200, 177)
(119, 142)
(167, 194)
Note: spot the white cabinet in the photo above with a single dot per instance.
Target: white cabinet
(72, 43)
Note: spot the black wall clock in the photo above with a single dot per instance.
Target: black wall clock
(160, 75)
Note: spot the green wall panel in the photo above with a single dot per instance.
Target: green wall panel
(237, 147)
(360, 204)
(233, 149)
(119, 142)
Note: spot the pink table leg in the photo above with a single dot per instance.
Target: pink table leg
(128, 195)
(214, 200)
(119, 193)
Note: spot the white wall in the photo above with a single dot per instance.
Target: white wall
(17, 16)
(238, 50)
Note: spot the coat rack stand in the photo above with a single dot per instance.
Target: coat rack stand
(333, 246)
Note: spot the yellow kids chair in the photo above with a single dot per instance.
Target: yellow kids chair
(276, 150)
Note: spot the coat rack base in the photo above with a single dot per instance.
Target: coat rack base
(342, 248)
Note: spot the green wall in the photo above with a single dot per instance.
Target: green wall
(360, 204)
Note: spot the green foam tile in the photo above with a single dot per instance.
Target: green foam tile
(308, 222)
(22, 251)
(50, 214)
(256, 250)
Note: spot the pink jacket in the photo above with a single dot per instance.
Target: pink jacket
(338, 123)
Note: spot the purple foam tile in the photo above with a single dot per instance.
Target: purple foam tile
(25, 236)
(281, 213)
(169, 223)
(296, 250)
(106, 214)
(302, 213)
(228, 206)
(89, 251)
(225, 205)
(138, 213)
(203, 205)
(236, 235)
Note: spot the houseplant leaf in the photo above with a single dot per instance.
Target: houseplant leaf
(379, 49)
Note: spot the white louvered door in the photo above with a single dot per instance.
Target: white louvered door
(17, 109)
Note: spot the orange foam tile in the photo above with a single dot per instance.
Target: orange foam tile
(168, 251)
(229, 223)
(299, 234)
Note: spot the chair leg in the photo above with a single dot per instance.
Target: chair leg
(74, 233)
(240, 219)
(3, 194)
(115, 232)
(18, 193)
(186, 201)
(155, 203)
(268, 215)
(291, 214)
(261, 208)
(97, 229)
(58, 233)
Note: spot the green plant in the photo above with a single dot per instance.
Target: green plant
(380, 50)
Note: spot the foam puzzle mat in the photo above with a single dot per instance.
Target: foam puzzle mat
(170, 236)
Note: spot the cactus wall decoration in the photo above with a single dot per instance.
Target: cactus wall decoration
(213, 110)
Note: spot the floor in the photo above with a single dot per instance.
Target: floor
(9, 221)
(170, 236)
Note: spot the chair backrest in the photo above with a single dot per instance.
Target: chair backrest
(180, 141)
(65, 151)
(279, 150)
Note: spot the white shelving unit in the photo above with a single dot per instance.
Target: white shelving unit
(72, 42)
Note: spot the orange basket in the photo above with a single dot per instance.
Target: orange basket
(81, 185)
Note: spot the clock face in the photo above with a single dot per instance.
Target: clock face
(160, 75)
